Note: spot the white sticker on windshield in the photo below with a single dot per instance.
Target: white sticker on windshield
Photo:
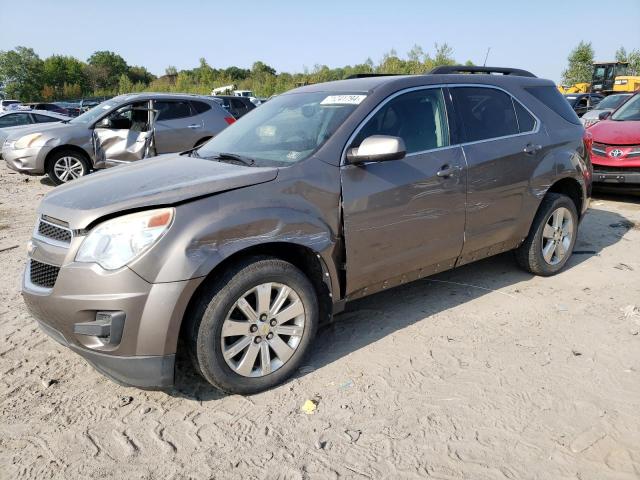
(343, 100)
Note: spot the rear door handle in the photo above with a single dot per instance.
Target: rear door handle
(446, 171)
(530, 148)
(195, 125)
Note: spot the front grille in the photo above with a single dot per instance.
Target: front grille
(54, 232)
(43, 274)
(608, 169)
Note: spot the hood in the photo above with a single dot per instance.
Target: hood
(614, 132)
(51, 128)
(162, 180)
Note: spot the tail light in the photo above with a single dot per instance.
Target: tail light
(588, 140)
(229, 120)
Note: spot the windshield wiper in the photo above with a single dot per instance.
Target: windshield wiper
(221, 157)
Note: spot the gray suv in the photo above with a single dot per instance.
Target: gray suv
(234, 253)
(119, 130)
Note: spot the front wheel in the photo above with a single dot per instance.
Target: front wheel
(552, 237)
(67, 165)
(252, 327)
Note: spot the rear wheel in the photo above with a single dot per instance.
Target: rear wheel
(552, 237)
(251, 330)
(67, 165)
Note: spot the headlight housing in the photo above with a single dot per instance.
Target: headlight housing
(116, 242)
(26, 141)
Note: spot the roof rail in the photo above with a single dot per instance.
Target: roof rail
(369, 75)
(449, 69)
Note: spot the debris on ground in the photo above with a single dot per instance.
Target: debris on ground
(309, 407)
(124, 401)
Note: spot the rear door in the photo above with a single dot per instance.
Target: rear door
(404, 217)
(177, 126)
(503, 144)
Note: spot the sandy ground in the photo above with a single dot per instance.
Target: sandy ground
(481, 373)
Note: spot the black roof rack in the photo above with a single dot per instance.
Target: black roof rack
(448, 69)
(369, 75)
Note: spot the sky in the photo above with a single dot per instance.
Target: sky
(536, 35)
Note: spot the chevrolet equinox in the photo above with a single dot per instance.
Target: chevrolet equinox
(242, 247)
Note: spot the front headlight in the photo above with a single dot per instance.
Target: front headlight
(116, 242)
(26, 141)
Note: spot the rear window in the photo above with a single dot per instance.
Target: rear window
(552, 98)
(486, 112)
(200, 107)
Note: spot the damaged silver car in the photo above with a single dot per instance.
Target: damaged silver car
(120, 130)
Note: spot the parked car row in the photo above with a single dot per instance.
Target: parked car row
(11, 122)
(242, 247)
(120, 130)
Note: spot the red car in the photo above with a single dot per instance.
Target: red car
(615, 147)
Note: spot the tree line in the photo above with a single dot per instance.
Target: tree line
(27, 77)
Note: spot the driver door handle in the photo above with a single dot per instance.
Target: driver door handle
(194, 125)
(446, 171)
(530, 148)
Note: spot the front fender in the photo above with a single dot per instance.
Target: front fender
(209, 230)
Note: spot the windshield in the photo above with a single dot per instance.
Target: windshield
(628, 111)
(96, 112)
(612, 102)
(286, 130)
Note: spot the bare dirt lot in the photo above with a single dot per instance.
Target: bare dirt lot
(480, 373)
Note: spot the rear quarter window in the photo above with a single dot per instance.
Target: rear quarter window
(526, 122)
(200, 107)
(553, 99)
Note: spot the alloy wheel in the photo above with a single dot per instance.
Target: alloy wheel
(557, 236)
(68, 168)
(263, 329)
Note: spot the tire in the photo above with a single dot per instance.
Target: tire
(216, 318)
(555, 211)
(66, 165)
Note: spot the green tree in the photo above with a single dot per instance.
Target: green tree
(59, 69)
(21, 73)
(634, 62)
(111, 65)
(443, 56)
(580, 67)
(140, 75)
(125, 85)
(621, 55)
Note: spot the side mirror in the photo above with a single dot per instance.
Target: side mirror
(378, 148)
(604, 115)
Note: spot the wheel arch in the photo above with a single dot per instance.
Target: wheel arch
(73, 148)
(304, 258)
(571, 188)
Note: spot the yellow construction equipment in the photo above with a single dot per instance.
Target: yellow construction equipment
(607, 78)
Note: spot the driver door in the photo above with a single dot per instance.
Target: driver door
(404, 219)
(124, 135)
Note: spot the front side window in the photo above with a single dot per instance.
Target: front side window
(134, 116)
(14, 120)
(171, 110)
(285, 130)
(418, 117)
(485, 112)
